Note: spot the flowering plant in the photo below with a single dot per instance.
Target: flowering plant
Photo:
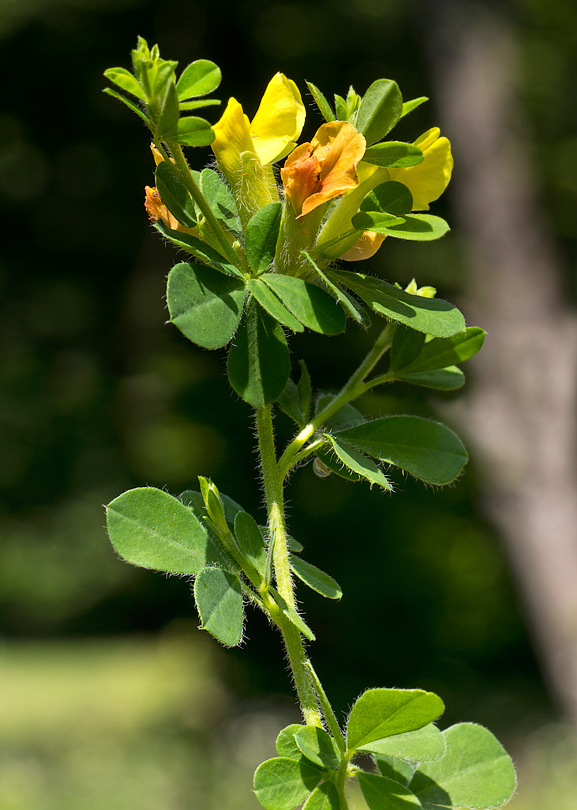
(261, 246)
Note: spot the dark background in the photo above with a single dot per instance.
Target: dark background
(98, 394)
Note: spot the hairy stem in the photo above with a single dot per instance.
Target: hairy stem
(341, 782)
(353, 388)
(217, 230)
(278, 549)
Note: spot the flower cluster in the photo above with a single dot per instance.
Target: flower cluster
(264, 230)
(335, 165)
(328, 181)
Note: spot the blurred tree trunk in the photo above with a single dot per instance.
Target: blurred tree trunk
(521, 414)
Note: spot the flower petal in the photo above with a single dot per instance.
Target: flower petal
(301, 176)
(365, 247)
(156, 209)
(338, 147)
(325, 168)
(232, 137)
(339, 220)
(428, 179)
(279, 119)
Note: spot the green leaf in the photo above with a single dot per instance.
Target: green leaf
(340, 108)
(407, 346)
(359, 464)
(380, 713)
(443, 352)
(169, 113)
(296, 399)
(394, 154)
(126, 81)
(315, 578)
(219, 555)
(140, 54)
(259, 362)
(430, 315)
(273, 305)
(381, 793)
(397, 769)
(326, 463)
(424, 745)
(150, 528)
(442, 379)
(250, 541)
(313, 307)
(194, 500)
(380, 110)
(345, 417)
(319, 747)
(409, 106)
(416, 227)
(205, 305)
(428, 450)
(196, 105)
(353, 101)
(294, 545)
(419, 228)
(220, 198)
(199, 249)
(174, 195)
(348, 303)
(391, 197)
(290, 404)
(376, 220)
(261, 237)
(282, 783)
(476, 772)
(191, 131)
(198, 79)
(218, 596)
(324, 797)
(286, 744)
(128, 103)
(321, 102)
(292, 615)
(305, 390)
(161, 74)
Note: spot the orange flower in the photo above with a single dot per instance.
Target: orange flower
(156, 209)
(316, 172)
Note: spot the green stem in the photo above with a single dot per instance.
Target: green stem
(273, 489)
(310, 448)
(353, 388)
(381, 380)
(198, 197)
(328, 712)
(341, 782)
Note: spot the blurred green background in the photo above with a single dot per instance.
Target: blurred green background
(110, 697)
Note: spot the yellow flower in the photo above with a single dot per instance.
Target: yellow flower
(428, 179)
(245, 149)
(272, 133)
(426, 182)
(365, 247)
(316, 172)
